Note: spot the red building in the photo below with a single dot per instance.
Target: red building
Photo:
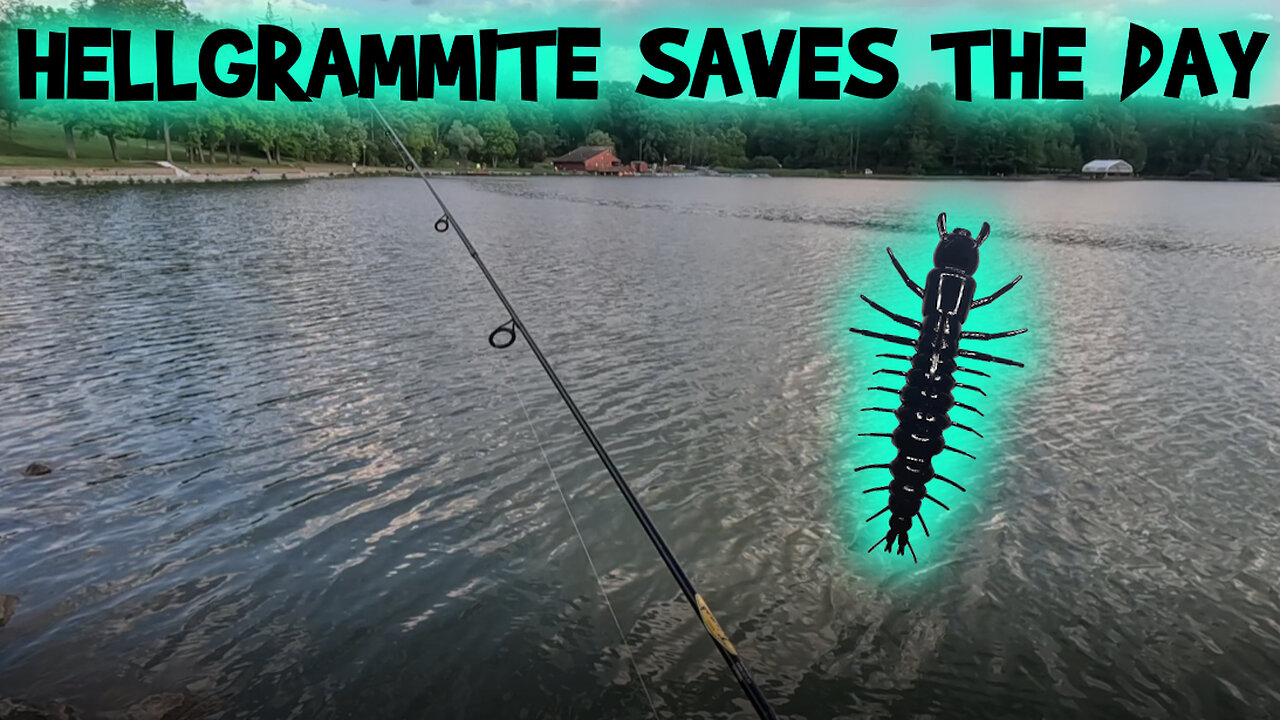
(639, 166)
(589, 158)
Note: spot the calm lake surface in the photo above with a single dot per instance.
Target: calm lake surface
(291, 478)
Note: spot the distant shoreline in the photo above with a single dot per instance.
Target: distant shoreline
(157, 175)
(153, 174)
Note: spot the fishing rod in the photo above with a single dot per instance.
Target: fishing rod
(508, 332)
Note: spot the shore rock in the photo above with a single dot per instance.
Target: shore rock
(23, 710)
(165, 706)
(8, 606)
(37, 468)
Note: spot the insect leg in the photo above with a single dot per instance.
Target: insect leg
(882, 410)
(956, 450)
(873, 547)
(892, 315)
(930, 497)
(922, 525)
(902, 374)
(869, 467)
(882, 336)
(988, 358)
(873, 517)
(864, 492)
(906, 278)
(913, 551)
(974, 372)
(888, 435)
(969, 407)
(888, 390)
(967, 387)
(970, 335)
(898, 357)
(990, 298)
(953, 483)
(965, 427)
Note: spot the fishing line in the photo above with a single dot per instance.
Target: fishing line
(504, 336)
(555, 478)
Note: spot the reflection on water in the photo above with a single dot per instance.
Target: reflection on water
(289, 480)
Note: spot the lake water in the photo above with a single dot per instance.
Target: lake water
(291, 478)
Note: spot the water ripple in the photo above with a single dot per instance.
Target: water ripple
(292, 479)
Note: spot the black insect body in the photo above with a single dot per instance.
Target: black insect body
(926, 396)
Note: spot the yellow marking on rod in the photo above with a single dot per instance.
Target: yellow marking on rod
(713, 627)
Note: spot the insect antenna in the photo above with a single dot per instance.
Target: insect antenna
(892, 315)
(944, 507)
(952, 483)
(873, 517)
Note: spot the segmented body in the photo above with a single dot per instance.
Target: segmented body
(926, 399)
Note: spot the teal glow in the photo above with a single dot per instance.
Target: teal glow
(870, 273)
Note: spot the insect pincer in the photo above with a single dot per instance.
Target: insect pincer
(983, 233)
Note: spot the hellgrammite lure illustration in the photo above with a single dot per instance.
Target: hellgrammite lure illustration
(926, 399)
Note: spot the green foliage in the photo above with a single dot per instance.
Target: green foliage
(463, 139)
(498, 136)
(532, 148)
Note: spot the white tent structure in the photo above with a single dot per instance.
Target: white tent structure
(1107, 167)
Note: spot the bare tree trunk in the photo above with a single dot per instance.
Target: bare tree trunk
(213, 151)
(69, 131)
(857, 149)
(168, 147)
(115, 152)
(237, 152)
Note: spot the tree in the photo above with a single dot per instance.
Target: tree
(499, 137)
(114, 121)
(533, 148)
(600, 138)
(464, 139)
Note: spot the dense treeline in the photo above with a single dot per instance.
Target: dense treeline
(919, 130)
